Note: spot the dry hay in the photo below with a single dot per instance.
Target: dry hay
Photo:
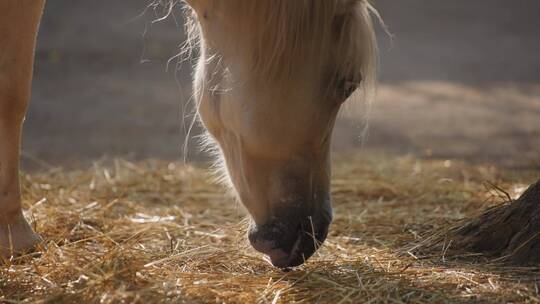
(156, 232)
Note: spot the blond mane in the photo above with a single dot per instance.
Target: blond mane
(280, 34)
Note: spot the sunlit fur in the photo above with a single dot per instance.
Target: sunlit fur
(287, 30)
(18, 28)
(279, 61)
(282, 30)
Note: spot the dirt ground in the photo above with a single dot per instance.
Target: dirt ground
(461, 80)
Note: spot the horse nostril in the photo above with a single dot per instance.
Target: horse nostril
(289, 244)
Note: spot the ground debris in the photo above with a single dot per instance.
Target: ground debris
(158, 232)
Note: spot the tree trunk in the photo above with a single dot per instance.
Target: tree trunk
(510, 231)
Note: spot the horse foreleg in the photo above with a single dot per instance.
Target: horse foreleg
(18, 29)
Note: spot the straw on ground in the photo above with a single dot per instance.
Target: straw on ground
(155, 232)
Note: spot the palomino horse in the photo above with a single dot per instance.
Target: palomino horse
(271, 78)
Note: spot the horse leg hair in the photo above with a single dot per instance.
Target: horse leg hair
(18, 28)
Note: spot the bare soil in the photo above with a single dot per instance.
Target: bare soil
(460, 80)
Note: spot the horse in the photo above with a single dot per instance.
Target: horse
(270, 79)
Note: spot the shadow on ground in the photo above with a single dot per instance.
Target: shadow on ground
(459, 81)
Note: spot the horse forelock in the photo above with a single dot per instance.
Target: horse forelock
(282, 36)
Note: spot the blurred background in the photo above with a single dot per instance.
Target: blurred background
(459, 80)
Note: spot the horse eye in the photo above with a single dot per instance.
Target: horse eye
(346, 86)
(350, 87)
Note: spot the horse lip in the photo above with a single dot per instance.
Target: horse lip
(281, 259)
(295, 246)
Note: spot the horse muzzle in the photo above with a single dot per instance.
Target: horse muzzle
(289, 240)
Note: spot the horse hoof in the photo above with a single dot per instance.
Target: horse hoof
(16, 236)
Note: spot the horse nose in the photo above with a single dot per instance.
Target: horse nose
(290, 240)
